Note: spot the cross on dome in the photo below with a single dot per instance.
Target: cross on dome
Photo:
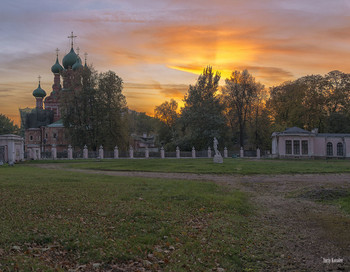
(57, 50)
(72, 37)
(39, 77)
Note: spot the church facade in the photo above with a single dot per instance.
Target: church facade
(43, 126)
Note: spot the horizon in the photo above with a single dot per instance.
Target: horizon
(159, 48)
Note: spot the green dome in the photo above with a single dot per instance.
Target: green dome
(69, 59)
(77, 65)
(56, 68)
(38, 92)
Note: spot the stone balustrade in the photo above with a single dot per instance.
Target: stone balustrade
(146, 153)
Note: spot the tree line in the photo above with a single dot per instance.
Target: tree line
(242, 112)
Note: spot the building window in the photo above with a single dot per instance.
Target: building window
(54, 135)
(31, 137)
(296, 145)
(340, 149)
(304, 147)
(329, 149)
(288, 147)
(46, 135)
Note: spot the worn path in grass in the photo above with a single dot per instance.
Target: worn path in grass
(289, 232)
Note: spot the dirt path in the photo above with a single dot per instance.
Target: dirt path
(290, 232)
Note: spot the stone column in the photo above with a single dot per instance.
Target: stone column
(11, 151)
(131, 152)
(116, 152)
(209, 152)
(193, 152)
(225, 152)
(258, 153)
(162, 153)
(54, 152)
(241, 152)
(70, 152)
(100, 152)
(177, 152)
(22, 151)
(146, 152)
(85, 152)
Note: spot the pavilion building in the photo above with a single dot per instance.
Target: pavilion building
(299, 143)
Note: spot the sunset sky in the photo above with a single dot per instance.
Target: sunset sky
(158, 47)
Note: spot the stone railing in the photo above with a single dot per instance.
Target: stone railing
(146, 153)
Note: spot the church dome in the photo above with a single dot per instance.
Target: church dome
(38, 92)
(69, 59)
(56, 68)
(77, 65)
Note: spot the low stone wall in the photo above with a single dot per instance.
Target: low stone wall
(131, 153)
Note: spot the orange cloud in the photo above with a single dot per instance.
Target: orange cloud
(144, 97)
(267, 75)
(160, 45)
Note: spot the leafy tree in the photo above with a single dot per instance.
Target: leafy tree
(259, 127)
(112, 109)
(94, 110)
(313, 90)
(7, 126)
(167, 114)
(313, 101)
(337, 92)
(240, 93)
(286, 105)
(202, 116)
(140, 122)
(337, 123)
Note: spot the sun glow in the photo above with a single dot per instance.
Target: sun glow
(225, 57)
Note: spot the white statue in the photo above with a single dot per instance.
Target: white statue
(217, 152)
(217, 156)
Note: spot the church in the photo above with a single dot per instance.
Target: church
(43, 126)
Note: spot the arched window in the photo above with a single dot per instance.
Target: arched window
(329, 149)
(340, 149)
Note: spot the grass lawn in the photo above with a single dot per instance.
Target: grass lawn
(344, 203)
(230, 166)
(335, 196)
(54, 220)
